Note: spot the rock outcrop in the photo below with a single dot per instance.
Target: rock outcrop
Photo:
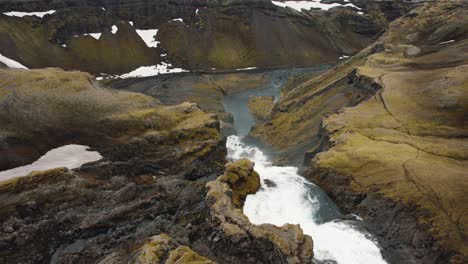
(260, 107)
(150, 181)
(392, 142)
(45, 109)
(236, 235)
(145, 201)
(159, 249)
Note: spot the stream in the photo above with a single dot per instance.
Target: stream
(287, 197)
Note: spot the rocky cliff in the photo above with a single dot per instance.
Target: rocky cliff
(145, 201)
(392, 141)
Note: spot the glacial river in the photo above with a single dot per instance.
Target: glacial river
(287, 197)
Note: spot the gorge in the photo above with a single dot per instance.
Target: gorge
(233, 131)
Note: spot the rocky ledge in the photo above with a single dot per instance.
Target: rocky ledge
(236, 235)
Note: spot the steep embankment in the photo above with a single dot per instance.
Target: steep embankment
(117, 38)
(399, 157)
(145, 201)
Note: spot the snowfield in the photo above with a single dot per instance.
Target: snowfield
(307, 5)
(23, 14)
(146, 71)
(147, 35)
(69, 156)
(11, 63)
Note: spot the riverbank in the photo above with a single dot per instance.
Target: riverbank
(286, 197)
(384, 134)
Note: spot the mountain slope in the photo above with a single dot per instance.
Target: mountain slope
(192, 35)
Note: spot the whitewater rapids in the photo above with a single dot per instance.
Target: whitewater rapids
(289, 198)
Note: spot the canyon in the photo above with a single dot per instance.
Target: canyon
(233, 131)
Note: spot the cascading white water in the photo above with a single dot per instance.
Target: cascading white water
(288, 199)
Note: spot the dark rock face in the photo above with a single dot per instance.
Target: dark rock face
(401, 236)
(81, 217)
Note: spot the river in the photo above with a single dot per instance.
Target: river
(287, 197)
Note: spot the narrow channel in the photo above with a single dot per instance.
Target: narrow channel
(287, 197)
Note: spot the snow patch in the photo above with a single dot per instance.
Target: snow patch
(131, 23)
(343, 57)
(23, 14)
(446, 42)
(246, 69)
(307, 5)
(11, 63)
(178, 19)
(146, 71)
(94, 35)
(114, 29)
(70, 156)
(148, 36)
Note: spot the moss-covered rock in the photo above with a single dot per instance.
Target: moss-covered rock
(263, 243)
(260, 107)
(242, 179)
(118, 124)
(184, 255)
(163, 249)
(155, 250)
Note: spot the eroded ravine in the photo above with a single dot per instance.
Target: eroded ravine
(287, 197)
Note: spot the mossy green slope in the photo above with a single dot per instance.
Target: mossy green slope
(28, 40)
(43, 109)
